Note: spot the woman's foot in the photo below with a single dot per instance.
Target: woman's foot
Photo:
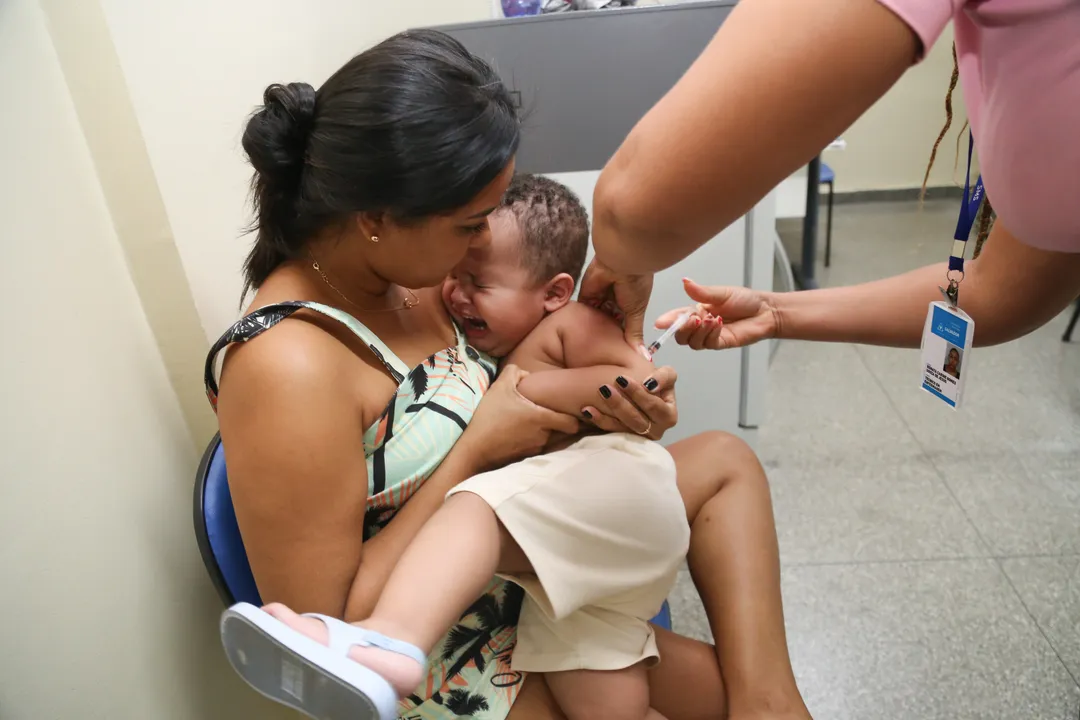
(404, 674)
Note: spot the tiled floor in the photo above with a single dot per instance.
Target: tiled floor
(931, 559)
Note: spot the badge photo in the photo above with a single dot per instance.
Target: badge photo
(947, 337)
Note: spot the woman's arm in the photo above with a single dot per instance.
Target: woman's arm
(1009, 291)
(382, 552)
(298, 474)
(779, 81)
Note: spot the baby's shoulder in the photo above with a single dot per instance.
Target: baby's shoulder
(560, 336)
(579, 316)
(587, 336)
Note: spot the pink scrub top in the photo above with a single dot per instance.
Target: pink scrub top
(1020, 72)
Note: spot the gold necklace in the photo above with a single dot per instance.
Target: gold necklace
(410, 302)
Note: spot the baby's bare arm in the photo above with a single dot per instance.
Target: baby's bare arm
(571, 354)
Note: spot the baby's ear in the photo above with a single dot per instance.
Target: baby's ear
(558, 292)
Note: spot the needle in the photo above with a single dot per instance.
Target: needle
(675, 326)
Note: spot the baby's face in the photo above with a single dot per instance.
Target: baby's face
(491, 295)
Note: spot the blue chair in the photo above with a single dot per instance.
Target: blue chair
(828, 177)
(217, 532)
(663, 619)
(221, 546)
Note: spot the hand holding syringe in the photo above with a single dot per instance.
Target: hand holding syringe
(669, 333)
(694, 315)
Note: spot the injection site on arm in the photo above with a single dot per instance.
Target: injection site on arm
(593, 353)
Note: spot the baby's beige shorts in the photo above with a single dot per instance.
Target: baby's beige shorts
(605, 530)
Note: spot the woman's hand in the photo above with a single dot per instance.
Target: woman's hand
(508, 427)
(646, 409)
(624, 297)
(724, 317)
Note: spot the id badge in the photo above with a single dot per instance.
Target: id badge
(946, 342)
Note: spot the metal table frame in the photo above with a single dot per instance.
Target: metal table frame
(804, 271)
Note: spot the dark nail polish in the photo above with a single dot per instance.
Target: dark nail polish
(621, 381)
(605, 391)
(586, 414)
(651, 384)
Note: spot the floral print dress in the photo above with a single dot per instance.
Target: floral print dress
(469, 672)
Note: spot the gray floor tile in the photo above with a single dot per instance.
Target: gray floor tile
(859, 510)
(926, 641)
(1050, 588)
(1022, 395)
(866, 467)
(1025, 504)
(1060, 470)
(824, 404)
(874, 240)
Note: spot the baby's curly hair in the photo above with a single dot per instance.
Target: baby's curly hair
(553, 223)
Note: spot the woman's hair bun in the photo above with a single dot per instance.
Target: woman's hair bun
(415, 126)
(276, 136)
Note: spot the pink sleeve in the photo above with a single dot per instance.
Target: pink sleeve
(927, 18)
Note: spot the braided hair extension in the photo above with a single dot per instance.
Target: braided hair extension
(986, 215)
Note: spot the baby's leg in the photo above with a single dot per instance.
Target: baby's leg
(413, 613)
(609, 694)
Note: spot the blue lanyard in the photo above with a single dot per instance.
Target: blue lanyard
(969, 209)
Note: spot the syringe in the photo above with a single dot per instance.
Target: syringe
(675, 326)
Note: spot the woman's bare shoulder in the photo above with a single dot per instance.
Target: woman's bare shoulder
(296, 354)
(306, 366)
(292, 427)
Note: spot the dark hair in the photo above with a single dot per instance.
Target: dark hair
(554, 226)
(415, 126)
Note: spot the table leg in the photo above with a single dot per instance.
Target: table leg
(804, 273)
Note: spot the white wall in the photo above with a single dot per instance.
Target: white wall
(107, 611)
(889, 146)
(105, 114)
(195, 70)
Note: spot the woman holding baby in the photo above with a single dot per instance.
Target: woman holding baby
(351, 403)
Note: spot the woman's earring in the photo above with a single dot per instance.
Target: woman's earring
(375, 238)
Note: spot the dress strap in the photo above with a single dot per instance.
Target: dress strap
(259, 321)
(459, 335)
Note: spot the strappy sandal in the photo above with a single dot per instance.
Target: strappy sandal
(318, 680)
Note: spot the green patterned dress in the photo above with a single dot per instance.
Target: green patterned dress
(469, 671)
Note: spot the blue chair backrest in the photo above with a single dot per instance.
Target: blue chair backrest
(219, 539)
(217, 532)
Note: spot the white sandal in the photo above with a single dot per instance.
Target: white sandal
(318, 680)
